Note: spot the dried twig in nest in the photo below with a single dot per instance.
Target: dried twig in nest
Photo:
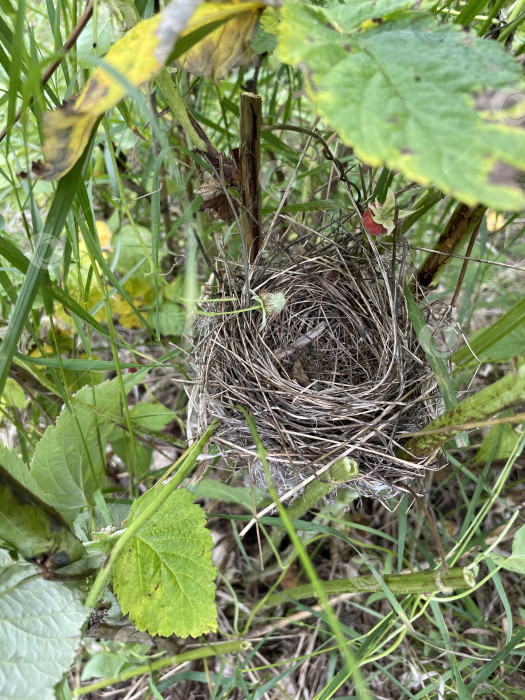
(339, 371)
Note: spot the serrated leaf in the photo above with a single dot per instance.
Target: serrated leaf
(516, 561)
(69, 462)
(423, 98)
(165, 578)
(40, 626)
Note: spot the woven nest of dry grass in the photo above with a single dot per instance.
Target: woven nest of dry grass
(338, 372)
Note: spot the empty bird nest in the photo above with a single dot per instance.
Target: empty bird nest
(333, 369)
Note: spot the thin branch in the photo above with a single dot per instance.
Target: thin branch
(66, 47)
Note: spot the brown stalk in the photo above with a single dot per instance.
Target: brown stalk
(250, 163)
(463, 221)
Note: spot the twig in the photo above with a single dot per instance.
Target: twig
(66, 46)
(464, 257)
(465, 263)
(301, 341)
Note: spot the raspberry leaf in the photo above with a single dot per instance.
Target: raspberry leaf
(437, 104)
(165, 578)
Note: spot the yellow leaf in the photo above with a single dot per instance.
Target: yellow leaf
(494, 220)
(141, 292)
(136, 59)
(228, 46)
(104, 236)
(133, 60)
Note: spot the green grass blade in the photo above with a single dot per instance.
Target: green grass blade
(62, 201)
(487, 337)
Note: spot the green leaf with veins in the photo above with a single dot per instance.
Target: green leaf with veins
(69, 462)
(40, 630)
(426, 99)
(32, 527)
(165, 579)
(516, 561)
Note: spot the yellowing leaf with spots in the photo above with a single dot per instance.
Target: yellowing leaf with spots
(133, 60)
(226, 47)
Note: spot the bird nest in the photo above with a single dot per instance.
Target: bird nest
(337, 372)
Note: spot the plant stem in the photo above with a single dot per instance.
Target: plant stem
(317, 585)
(250, 164)
(176, 660)
(488, 402)
(339, 473)
(186, 462)
(176, 103)
(401, 584)
(460, 225)
(513, 22)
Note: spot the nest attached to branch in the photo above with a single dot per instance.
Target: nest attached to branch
(337, 372)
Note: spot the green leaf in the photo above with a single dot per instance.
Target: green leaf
(218, 490)
(263, 42)
(487, 402)
(165, 579)
(69, 462)
(172, 319)
(36, 272)
(434, 358)
(149, 416)
(106, 664)
(516, 561)
(482, 343)
(33, 528)
(129, 249)
(18, 469)
(423, 98)
(499, 443)
(362, 14)
(40, 625)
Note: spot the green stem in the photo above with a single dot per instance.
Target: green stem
(186, 462)
(339, 473)
(512, 24)
(432, 197)
(176, 103)
(342, 642)
(401, 584)
(176, 660)
(488, 402)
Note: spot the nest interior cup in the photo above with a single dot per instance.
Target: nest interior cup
(337, 372)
